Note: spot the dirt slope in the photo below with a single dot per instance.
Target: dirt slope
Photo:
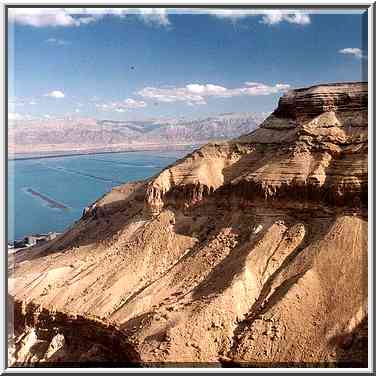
(251, 252)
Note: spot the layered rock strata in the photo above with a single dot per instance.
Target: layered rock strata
(251, 252)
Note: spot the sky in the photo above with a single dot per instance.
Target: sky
(141, 64)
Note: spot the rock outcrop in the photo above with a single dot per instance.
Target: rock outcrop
(250, 252)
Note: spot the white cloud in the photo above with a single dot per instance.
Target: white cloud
(232, 14)
(68, 17)
(269, 17)
(132, 103)
(122, 106)
(98, 12)
(42, 17)
(153, 16)
(55, 94)
(256, 88)
(156, 16)
(15, 116)
(169, 95)
(356, 52)
(273, 17)
(197, 93)
(57, 42)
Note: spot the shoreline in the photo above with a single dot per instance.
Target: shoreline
(178, 147)
(57, 205)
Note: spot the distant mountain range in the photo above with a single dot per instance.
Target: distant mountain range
(65, 135)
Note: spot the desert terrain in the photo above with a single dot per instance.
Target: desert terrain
(245, 253)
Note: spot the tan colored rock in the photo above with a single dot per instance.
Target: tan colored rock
(251, 252)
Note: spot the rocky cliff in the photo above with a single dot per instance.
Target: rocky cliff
(250, 252)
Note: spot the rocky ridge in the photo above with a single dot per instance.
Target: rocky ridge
(249, 252)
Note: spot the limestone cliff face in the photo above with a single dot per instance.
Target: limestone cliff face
(313, 147)
(246, 252)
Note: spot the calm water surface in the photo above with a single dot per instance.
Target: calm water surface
(49, 194)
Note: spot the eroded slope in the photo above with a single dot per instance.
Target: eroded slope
(246, 252)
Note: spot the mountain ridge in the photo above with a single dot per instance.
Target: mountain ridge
(250, 252)
(62, 135)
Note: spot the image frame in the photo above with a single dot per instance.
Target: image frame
(369, 6)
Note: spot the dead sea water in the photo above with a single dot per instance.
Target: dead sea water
(49, 194)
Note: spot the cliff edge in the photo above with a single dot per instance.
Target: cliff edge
(250, 252)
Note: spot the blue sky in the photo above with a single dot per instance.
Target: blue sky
(110, 64)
